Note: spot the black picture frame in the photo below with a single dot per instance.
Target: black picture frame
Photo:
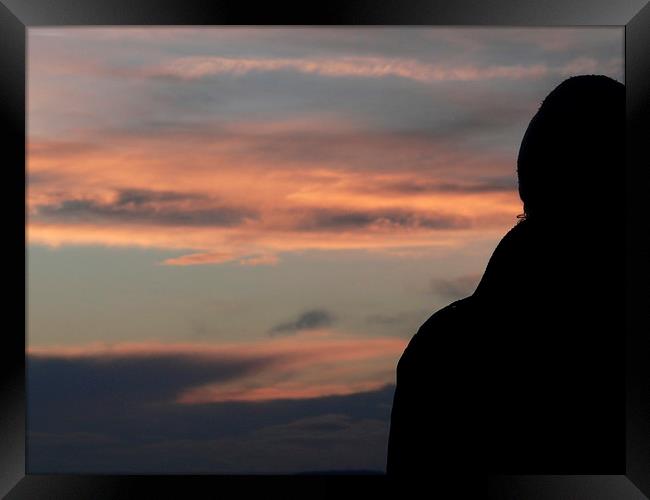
(17, 15)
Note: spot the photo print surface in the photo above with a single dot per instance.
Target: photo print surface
(233, 233)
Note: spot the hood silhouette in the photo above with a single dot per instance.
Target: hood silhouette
(573, 143)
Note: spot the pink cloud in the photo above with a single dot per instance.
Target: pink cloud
(196, 67)
(200, 258)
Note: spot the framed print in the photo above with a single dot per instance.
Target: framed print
(232, 220)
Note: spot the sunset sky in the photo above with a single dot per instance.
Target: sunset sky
(234, 232)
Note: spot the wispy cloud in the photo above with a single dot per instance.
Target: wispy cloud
(198, 67)
(308, 320)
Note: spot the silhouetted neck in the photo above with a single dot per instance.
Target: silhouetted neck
(516, 264)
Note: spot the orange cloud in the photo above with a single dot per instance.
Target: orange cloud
(254, 192)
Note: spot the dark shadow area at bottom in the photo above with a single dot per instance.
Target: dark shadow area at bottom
(34, 487)
(563, 487)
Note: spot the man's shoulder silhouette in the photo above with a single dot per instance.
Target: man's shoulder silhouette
(430, 376)
(435, 330)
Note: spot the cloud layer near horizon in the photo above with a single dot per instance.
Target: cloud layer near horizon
(311, 363)
(78, 422)
(311, 402)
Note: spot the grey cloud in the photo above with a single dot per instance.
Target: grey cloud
(143, 196)
(333, 219)
(308, 320)
(142, 206)
(488, 185)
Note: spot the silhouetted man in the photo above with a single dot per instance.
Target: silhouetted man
(526, 374)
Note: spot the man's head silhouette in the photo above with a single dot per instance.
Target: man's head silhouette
(572, 148)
